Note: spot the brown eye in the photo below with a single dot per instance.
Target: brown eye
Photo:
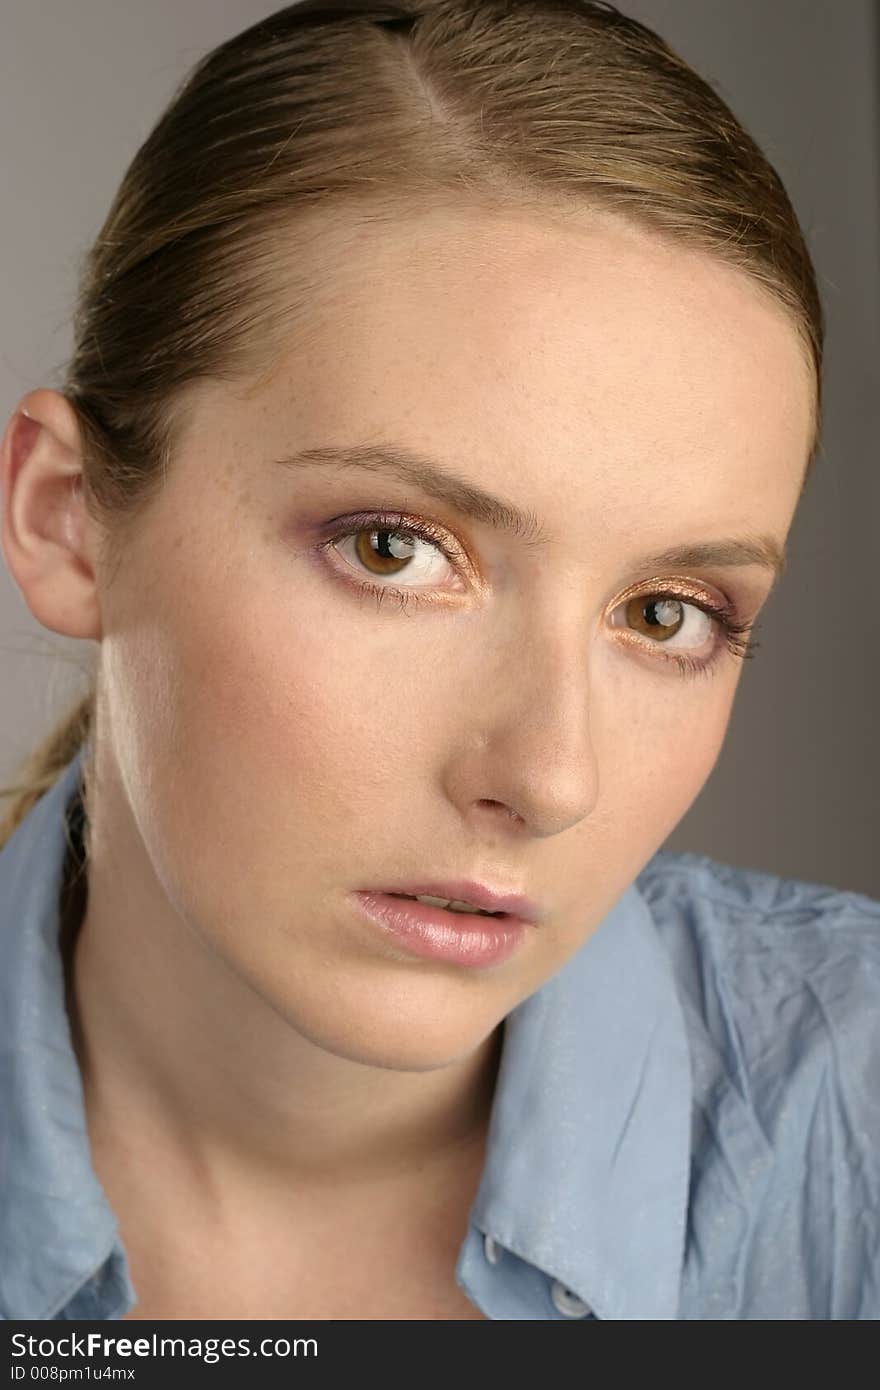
(669, 622)
(384, 552)
(657, 618)
(418, 554)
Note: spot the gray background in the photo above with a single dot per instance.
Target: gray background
(794, 791)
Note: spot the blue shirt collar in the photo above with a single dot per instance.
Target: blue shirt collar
(588, 1161)
(588, 1157)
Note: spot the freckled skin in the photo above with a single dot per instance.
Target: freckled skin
(268, 741)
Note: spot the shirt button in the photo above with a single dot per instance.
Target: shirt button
(490, 1250)
(567, 1302)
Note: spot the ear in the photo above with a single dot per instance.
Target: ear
(47, 537)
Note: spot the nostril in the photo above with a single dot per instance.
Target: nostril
(508, 811)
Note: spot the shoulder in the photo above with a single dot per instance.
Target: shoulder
(779, 981)
(752, 890)
(756, 931)
(774, 972)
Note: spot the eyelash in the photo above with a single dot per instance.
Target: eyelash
(735, 633)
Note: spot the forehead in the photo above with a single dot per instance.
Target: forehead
(599, 327)
(543, 353)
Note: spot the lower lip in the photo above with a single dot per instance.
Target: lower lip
(463, 938)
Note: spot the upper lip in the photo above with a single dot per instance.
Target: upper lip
(468, 891)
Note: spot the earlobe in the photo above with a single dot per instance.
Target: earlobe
(45, 528)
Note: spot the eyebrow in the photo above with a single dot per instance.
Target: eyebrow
(437, 481)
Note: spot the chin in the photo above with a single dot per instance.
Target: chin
(396, 1040)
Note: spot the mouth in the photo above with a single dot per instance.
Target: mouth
(451, 906)
(468, 897)
(459, 935)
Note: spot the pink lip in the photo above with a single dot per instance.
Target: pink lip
(462, 938)
(469, 891)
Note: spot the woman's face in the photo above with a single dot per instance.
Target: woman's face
(285, 737)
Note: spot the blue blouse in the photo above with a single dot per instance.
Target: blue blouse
(686, 1121)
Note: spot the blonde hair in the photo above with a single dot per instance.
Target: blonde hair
(379, 108)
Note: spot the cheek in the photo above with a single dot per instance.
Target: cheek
(653, 751)
(655, 757)
(277, 725)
